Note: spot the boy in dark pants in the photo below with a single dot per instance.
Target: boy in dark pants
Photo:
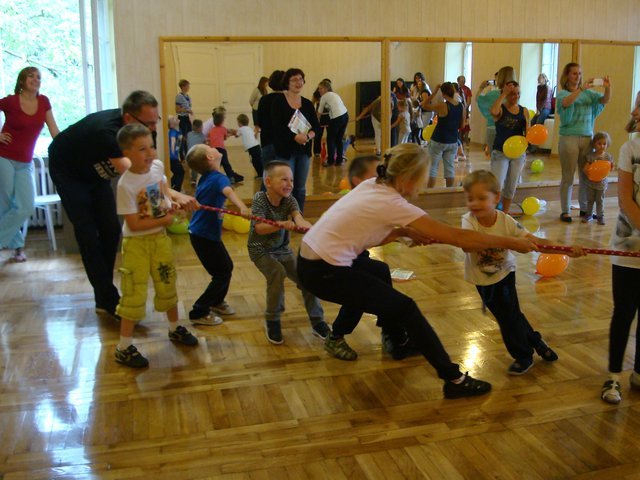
(205, 231)
(493, 271)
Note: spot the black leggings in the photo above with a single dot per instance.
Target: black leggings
(626, 303)
(360, 288)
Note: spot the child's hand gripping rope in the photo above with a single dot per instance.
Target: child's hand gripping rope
(255, 218)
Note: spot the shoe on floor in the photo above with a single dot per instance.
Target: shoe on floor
(108, 313)
(610, 392)
(634, 380)
(238, 178)
(131, 357)
(520, 367)
(183, 336)
(223, 308)
(600, 220)
(469, 387)
(398, 351)
(565, 217)
(321, 330)
(586, 218)
(545, 352)
(273, 332)
(19, 256)
(209, 319)
(339, 348)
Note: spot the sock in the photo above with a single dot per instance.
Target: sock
(124, 343)
(614, 376)
(458, 381)
(173, 326)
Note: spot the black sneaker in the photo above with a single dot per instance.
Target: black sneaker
(273, 332)
(321, 330)
(520, 367)
(546, 352)
(108, 313)
(470, 387)
(131, 357)
(398, 352)
(183, 336)
(238, 178)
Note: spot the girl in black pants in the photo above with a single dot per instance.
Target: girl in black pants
(338, 120)
(330, 266)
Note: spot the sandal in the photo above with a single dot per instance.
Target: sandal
(469, 387)
(339, 348)
(546, 352)
(565, 217)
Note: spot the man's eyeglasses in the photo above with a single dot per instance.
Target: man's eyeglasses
(146, 124)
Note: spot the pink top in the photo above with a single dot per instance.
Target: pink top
(24, 129)
(217, 136)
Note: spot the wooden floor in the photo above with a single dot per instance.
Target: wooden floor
(238, 407)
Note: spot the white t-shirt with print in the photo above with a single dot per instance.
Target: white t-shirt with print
(359, 220)
(626, 236)
(491, 265)
(144, 194)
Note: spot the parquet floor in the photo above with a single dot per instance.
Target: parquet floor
(238, 407)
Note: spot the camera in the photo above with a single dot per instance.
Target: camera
(491, 82)
(598, 82)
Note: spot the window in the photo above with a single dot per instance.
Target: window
(457, 61)
(549, 62)
(69, 41)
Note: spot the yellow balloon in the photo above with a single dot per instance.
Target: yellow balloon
(532, 113)
(515, 146)
(530, 206)
(428, 131)
(241, 225)
(227, 221)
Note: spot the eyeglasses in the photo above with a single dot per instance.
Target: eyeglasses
(146, 124)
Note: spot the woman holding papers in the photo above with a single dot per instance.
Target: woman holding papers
(294, 124)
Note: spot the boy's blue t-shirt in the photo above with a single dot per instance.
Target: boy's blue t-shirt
(173, 153)
(205, 223)
(579, 117)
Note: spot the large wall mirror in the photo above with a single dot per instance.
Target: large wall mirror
(226, 72)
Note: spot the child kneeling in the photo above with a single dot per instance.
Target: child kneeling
(269, 249)
(142, 199)
(493, 270)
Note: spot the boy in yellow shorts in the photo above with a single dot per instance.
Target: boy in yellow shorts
(143, 201)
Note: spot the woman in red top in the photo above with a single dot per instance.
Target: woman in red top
(25, 113)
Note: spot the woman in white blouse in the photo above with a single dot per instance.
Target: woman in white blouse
(338, 120)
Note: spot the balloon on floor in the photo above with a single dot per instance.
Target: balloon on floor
(530, 206)
(551, 264)
(537, 166)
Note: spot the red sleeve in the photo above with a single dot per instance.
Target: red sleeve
(45, 102)
(4, 104)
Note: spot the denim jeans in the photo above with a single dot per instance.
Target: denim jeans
(16, 200)
(91, 208)
(299, 163)
(507, 171)
(358, 289)
(573, 150)
(275, 269)
(445, 152)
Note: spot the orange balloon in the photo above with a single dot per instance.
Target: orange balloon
(598, 170)
(551, 264)
(344, 184)
(537, 135)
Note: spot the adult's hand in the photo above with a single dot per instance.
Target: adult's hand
(301, 138)
(5, 138)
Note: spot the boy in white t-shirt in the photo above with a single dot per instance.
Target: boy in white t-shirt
(250, 143)
(493, 270)
(146, 249)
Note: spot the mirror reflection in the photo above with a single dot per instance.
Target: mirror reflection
(345, 76)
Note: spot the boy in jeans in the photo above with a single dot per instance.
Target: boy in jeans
(142, 200)
(205, 230)
(269, 249)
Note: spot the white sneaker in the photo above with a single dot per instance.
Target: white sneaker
(223, 308)
(209, 320)
(610, 392)
(634, 380)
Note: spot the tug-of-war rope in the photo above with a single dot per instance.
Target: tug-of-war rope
(559, 248)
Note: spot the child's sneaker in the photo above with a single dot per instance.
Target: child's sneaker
(274, 332)
(209, 319)
(610, 392)
(321, 330)
(469, 387)
(131, 357)
(634, 380)
(339, 348)
(223, 308)
(183, 336)
(545, 352)
(586, 218)
(600, 219)
(520, 367)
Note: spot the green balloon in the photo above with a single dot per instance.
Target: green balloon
(537, 166)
